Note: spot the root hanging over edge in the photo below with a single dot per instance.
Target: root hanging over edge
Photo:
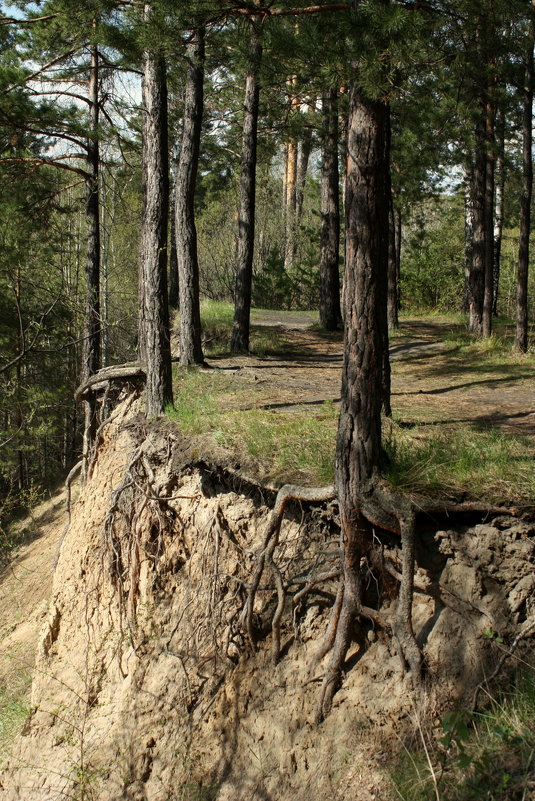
(287, 493)
(385, 509)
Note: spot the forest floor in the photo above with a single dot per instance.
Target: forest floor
(431, 386)
(431, 382)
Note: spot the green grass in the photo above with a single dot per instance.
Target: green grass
(217, 318)
(483, 756)
(297, 445)
(432, 451)
(455, 460)
(13, 712)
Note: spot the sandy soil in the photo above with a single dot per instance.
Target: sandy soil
(308, 373)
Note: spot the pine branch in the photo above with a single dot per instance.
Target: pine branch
(49, 162)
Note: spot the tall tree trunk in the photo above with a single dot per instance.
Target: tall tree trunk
(392, 305)
(290, 227)
(397, 243)
(521, 332)
(186, 234)
(392, 302)
(154, 331)
(468, 233)
(91, 351)
(246, 214)
(330, 312)
(358, 449)
(291, 152)
(173, 258)
(488, 297)
(302, 169)
(476, 278)
(498, 207)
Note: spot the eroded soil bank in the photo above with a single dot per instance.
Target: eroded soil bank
(145, 687)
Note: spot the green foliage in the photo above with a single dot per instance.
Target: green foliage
(433, 256)
(13, 712)
(483, 756)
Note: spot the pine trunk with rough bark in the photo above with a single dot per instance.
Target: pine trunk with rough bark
(488, 296)
(91, 351)
(476, 276)
(186, 234)
(392, 304)
(359, 450)
(521, 331)
(246, 214)
(173, 259)
(330, 312)
(154, 323)
(498, 208)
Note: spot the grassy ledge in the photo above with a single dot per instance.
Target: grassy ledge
(442, 442)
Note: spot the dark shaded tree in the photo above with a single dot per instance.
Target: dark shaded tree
(91, 352)
(154, 341)
(185, 231)
(246, 212)
(330, 312)
(521, 329)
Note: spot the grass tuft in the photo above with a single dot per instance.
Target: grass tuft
(459, 460)
(13, 712)
(485, 756)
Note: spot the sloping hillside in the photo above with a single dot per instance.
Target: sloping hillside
(146, 686)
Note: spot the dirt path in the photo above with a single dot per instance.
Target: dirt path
(431, 384)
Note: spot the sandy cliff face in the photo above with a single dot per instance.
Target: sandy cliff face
(144, 688)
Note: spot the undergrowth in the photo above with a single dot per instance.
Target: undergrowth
(217, 319)
(13, 508)
(457, 460)
(13, 713)
(488, 755)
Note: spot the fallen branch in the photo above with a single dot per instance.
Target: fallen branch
(99, 380)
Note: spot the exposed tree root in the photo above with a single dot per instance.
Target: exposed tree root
(87, 392)
(382, 508)
(120, 372)
(408, 649)
(286, 493)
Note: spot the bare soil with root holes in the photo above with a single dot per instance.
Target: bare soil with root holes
(145, 687)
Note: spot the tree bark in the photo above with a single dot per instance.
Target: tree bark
(392, 305)
(91, 351)
(330, 312)
(488, 297)
(173, 258)
(521, 331)
(154, 329)
(186, 233)
(498, 208)
(476, 277)
(468, 233)
(246, 215)
(358, 449)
